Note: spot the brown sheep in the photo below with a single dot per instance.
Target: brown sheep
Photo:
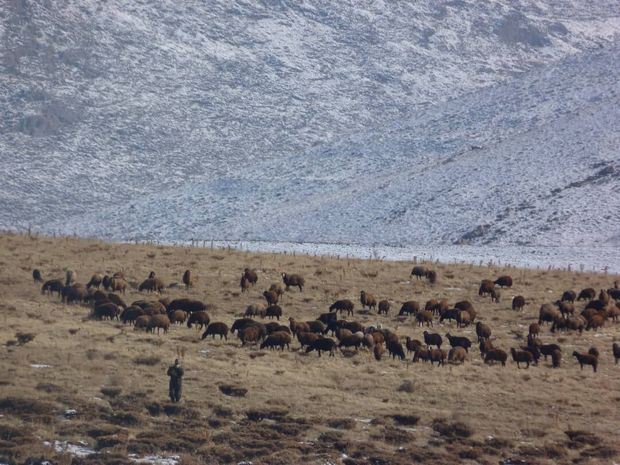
(368, 300)
(256, 310)
(587, 294)
(130, 314)
(613, 312)
(486, 287)
(216, 328)
(411, 307)
(521, 356)
(594, 351)
(95, 281)
(342, 333)
(307, 338)
(438, 355)
(586, 359)
(36, 276)
(273, 311)
(482, 331)
(421, 353)
(431, 305)
(277, 288)
(565, 307)
(378, 351)
(70, 277)
(277, 339)
(604, 296)
(189, 305)
(457, 355)
(384, 307)
(323, 344)
(495, 296)
(547, 313)
(411, 344)
(51, 286)
(468, 307)
(503, 281)
(426, 317)
(352, 340)
(177, 316)
(271, 297)
(142, 322)
(615, 348)
(556, 358)
(154, 308)
(250, 275)
(485, 345)
(159, 322)
(118, 284)
(431, 275)
(116, 299)
(293, 280)
(72, 294)
(595, 322)
(534, 330)
(298, 326)
(152, 285)
(419, 272)
(462, 319)
(342, 305)
(518, 302)
(377, 337)
(107, 310)
(244, 283)
(249, 334)
(200, 319)
(317, 326)
(569, 296)
(547, 349)
(187, 279)
(496, 355)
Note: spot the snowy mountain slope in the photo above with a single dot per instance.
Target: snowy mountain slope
(531, 161)
(211, 105)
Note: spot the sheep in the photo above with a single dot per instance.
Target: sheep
(159, 322)
(368, 300)
(189, 305)
(431, 275)
(495, 296)
(249, 334)
(118, 284)
(306, 338)
(317, 326)
(378, 337)
(613, 312)
(142, 322)
(534, 330)
(449, 314)
(152, 285)
(51, 286)
(419, 272)
(351, 340)
(482, 331)
(468, 307)
(486, 287)
(568, 296)
(273, 311)
(353, 326)
(187, 279)
(72, 294)
(390, 336)
(298, 326)
(587, 294)
(274, 326)
(378, 351)
(384, 307)
(431, 304)
(576, 323)
(433, 339)
(614, 293)
(255, 310)
(503, 281)
(271, 297)
(36, 276)
(70, 277)
(177, 316)
(547, 349)
(496, 355)
(594, 351)
(342, 305)
(293, 280)
(462, 319)
(106, 282)
(604, 296)
(322, 344)
(457, 355)
(395, 349)
(130, 314)
(518, 303)
(116, 299)
(244, 283)
(107, 310)
(241, 323)
(595, 322)
(411, 307)
(95, 281)
(459, 341)
(412, 344)
(521, 356)
(426, 317)
(547, 313)
(437, 355)
(150, 276)
(154, 308)
(586, 359)
(565, 307)
(216, 328)
(250, 275)
(421, 353)
(556, 358)
(532, 349)
(98, 296)
(485, 345)
(615, 348)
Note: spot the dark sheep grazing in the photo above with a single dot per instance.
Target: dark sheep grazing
(95, 281)
(177, 317)
(250, 275)
(72, 294)
(503, 281)
(118, 284)
(271, 297)
(307, 339)
(426, 317)
(433, 339)
(384, 307)
(518, 302)
(459, 341)
(547, 313)
(216, 328)
(596, 305)
(241, 323)
(152, 285)
(395, 349)
(565, 307)
(463, 319)
(187, 279)
(468, 307)
(255, 310)
(188, 305)
(249, 335)
(116, 299)
(36, 276)
(587, 294)
(158, 322)
(547, 349)
(485, 345)
(496, 355)
(521, 356)
(615, 348)
(327, 318)
(431, 275)
(412, 344)
(323, 344)
(99, 296)
(569, 296)
(586, 359)
(534, 330)
(378, 351)
(298, 326)
(411, 307)
(352, 340)
(317, 326)
(486, 287)
(273, 311)
(457, 355)
(344, 305)
(482, 331)
(368, 300)
(449, 314)
(52, 285)
(437, 355)
(131, 314)
(293, 280)
(495, 296)
(106, 311)
(556, 358)
(244, 284)
(106, 282)
(419, 272)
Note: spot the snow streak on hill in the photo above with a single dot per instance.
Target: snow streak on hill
(354, 122)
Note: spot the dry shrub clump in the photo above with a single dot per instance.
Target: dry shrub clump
(452, 429)
(148, 360)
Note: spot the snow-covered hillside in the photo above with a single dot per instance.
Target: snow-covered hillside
(354, 122)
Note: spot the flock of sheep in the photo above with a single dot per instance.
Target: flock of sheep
(328, 332)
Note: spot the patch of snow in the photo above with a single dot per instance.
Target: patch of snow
(40, 365)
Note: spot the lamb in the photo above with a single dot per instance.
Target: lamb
(426, 317)
(95, 281)
(118, 284)
(411, 344)
(431, 275)
(459, 341)
(298, 327)
(306, 338)
(395, 349)
(51, 286)
(482, 331)
(496, 355)
(503, 281)
(457, 355)
(518, 302)
(216, 328)
(177, 316)
(256, 310)
(159, 322)
(433, 339)
(462, 319)
(293, 280)
(586, 359)
(569, 296)
(152, 285)
(106, 310)
(368, 300)
(187, 279)
(189, 305)
(130, 314)
(273, 311)
(249, 334)
(587, 294)
(344, 305)
(384, 307)
(351, 340)
(323, 344)
(411, 307)
(271, 297)
(521, 356)
(251, 276)
(419, 272)
(547, 313)
(495, 296)
(486, 287)
(36, 276)
(615, 348)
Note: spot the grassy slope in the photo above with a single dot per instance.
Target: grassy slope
(327, 401)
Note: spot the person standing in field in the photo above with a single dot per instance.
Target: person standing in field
(175, 372)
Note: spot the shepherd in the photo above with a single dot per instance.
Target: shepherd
(175, 372)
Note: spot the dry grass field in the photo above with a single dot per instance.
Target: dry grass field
(298, 408)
